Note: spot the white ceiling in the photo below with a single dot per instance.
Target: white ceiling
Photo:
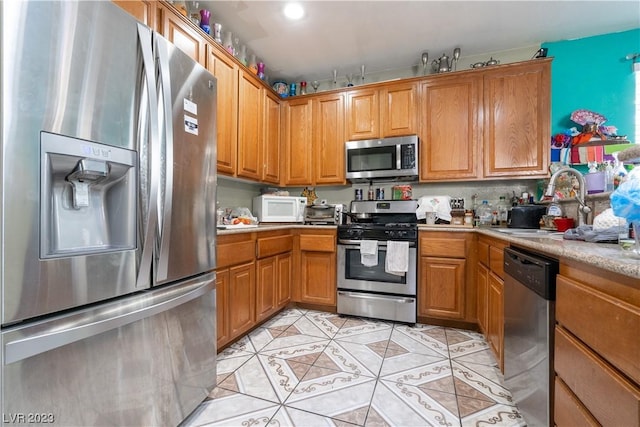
(391, 35)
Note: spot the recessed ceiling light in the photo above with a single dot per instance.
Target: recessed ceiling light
(293, 11)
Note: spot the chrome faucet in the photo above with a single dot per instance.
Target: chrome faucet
(583, 210)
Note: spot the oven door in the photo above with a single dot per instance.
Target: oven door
(352, 275)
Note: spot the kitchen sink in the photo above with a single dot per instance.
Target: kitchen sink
(531, 233)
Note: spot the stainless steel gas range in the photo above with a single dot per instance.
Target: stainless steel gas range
(377, 260)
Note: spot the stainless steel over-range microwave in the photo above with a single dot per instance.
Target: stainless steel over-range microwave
(382, 158)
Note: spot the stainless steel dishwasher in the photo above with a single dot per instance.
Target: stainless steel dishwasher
(529, 317)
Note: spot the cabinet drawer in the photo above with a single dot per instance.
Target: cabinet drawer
(496, 260)
(609, 396)
(568, 411)
(235, 253)
(274, 245)
(443, 247)
(317, 243)
(606, 324)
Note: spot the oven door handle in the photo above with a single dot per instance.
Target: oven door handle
(355, 244)
(375, 297)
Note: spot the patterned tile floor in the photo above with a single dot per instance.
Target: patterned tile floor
(309, 368)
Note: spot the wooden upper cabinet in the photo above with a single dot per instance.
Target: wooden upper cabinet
(398, 111)
(250, 126)
(297, 145)
(328, 139)
(516, 120)
(226, 73)
(271, 144)
(180, 33)
(363, 114)
(143, 10)
(449, 134)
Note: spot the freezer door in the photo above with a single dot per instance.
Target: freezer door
(70, 72)
(187, 97)
(147, 360)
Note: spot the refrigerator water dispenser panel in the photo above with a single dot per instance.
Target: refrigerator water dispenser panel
(87, 197)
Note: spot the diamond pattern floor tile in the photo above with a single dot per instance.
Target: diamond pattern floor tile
(406, 405)
(231, 409)
(311, 368)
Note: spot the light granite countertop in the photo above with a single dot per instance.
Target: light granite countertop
(601, 255)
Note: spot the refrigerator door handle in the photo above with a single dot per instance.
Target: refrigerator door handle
(21, 344)
(164, 212)
(149, 158)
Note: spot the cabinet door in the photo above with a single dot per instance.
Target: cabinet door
(266, 287)
(449, 135)
(363, 114)
(180, 33)
(271, 146)
(250, 130)
(318, 277)
(283, 295)
(226, 73)
(143, 10)
(482, 284)
(222, 307)
(516, 120)
(398, 112)
(297, 142)
(441, 290)
(242, 314)
(495, 317)
(328, 139)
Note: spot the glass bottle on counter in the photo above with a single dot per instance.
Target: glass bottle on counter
(485, 214)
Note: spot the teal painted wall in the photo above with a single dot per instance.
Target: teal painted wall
(592, 74)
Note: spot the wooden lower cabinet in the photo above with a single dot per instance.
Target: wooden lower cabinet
(317, 267)
(242, 295)
(495, 317)
(490, 298)
(318, 277)
(222, 307)
(235, 301)
(273, 285)
(482, 286)
(446, 288)
(442, 286)
(596, 349)
(267, 272)
(283, 293)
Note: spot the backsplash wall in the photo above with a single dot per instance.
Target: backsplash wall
(233, 192)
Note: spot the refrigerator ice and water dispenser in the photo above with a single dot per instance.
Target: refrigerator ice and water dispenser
(87, 198)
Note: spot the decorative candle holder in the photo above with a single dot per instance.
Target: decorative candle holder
(261, 70)
(205, 15)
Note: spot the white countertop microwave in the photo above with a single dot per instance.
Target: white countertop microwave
(279, 208)
(395, 157)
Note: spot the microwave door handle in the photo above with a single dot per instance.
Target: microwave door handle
(398, 156)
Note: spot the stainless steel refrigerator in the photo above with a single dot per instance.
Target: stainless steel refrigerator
(107, 219)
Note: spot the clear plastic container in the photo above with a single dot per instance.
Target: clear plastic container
(503, 211)
(485, 214)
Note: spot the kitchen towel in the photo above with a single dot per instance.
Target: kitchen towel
(369, 252)
(397, 260)
(441, 205)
